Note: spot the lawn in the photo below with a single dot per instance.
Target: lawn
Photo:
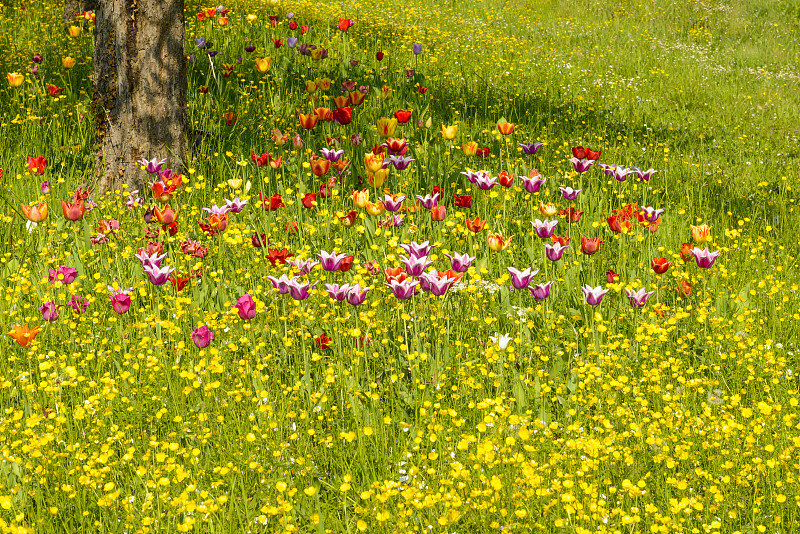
(449, 266)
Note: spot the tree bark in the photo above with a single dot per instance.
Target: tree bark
(140, 83)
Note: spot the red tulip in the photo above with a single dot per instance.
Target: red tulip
(344, 24)
(660, 265)
(309, 200)
(73, 210)
(403, 115)
(611, 276)
(590, 246)
(343, 115)
(463, 201)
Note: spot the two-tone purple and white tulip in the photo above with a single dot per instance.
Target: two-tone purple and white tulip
(545, 228)
(300, 291)
(418, 250)
(485, 182)
(303, 266)
(434, 284)
(555, 251)
(356, 295)
(593, 295)
(533, 183)
(154, 259)
(521, 279)
(393, 204)
(414, 265)
(428, 201)
(282, 283)
(570, 194)
(460, 262)
(541, 291)
(530, 149)
(651, 214)
(581, 165)
(704, 258)
(638, 299)
(643, 175)
(331, 262)
(337, 292)
(158, 275)
(403, 290)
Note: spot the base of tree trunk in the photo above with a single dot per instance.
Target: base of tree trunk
(140, 83)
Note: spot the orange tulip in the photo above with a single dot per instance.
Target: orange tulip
(373, 162)
(320, 166)
(24, 335)
(548, 210)
(438, 213)
(506, 128)
(701, 234)
(73, 210)
(341, 101)
(166, 215)
(497, 242)
(360, 198)
(375, 209)
(308, 121)
(15, 79)
(356, 97)
(324, 114)
(475, 225)
(36, 213)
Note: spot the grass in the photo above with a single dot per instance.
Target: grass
(412, 415)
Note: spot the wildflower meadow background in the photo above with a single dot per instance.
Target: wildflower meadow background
(449, 266)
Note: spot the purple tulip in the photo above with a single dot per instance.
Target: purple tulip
(300, 291)
(249, 49)
(78, 305)
(619, 172)
(153, 260)
(331, 262)
(45, 187)
(521, 279)
(416, 48)
(303, 266)
(154, 165)
(356, 295)
(593, 295)
(541, 291)
(530, 149)
(49, 310)
(246, 306)
(282, 283)
(460, 262)
(158, 275)
(400, 163)
(433, 283)
(202, 337)
(533, 183)
(393, 204)
(291, 42)
(555, 251)
(415, 266)
(418, 250)
(37, 59)
(581, 165)
(485, 182)
(570, 194)
(120, 303)
(337, 292)
(651, 214)
(236, 205)
(545, 228)
(428, 201)
(331, 155)
(403, 290)
(704, 258)
(638, 298)
(65, 275)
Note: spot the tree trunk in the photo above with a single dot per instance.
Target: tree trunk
(140, 83)
(74, 7)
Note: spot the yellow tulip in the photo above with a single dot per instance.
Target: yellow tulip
(373, 162)
(68, 62)
(263, 64)
(75, 31)
(386, 127)
(377, 178)
(15, 79)
(375, 209)
(449, 132)
(361, 198)
(470, 148)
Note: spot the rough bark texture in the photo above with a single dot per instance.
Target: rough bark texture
(73, 7)
(140, 88)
